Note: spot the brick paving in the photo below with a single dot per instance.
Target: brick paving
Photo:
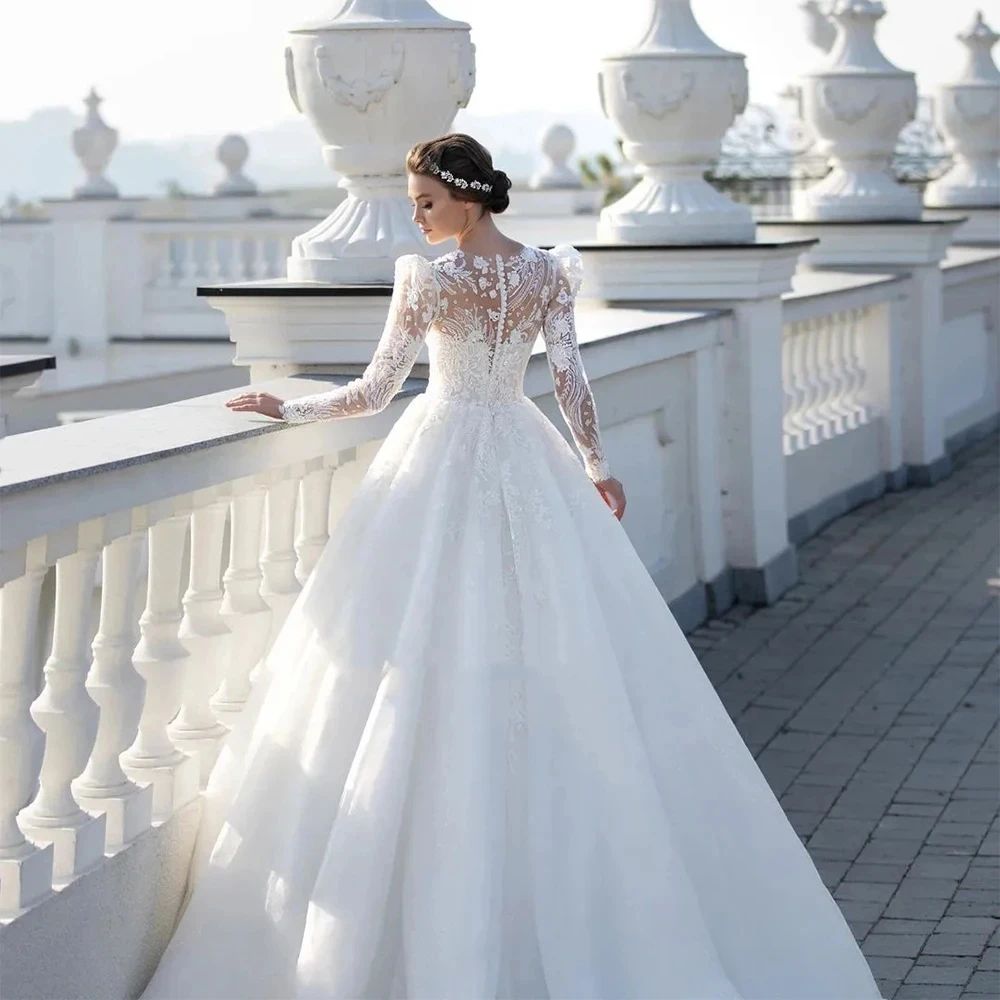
(870, 697)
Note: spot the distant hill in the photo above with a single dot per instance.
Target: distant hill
(36, 159)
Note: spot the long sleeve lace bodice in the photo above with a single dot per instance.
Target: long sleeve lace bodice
(576, 400)
(412, 309)
(481, 317)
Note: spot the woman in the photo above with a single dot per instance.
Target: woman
(483, 761)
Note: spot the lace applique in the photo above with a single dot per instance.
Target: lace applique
(481, 317)
(576, 401)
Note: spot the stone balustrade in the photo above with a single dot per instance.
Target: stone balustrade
(177, 538)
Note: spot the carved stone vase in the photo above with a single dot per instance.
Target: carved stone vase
(374, 79)
(94, 142)
(968, 114)
(856, 102)
(672, 98)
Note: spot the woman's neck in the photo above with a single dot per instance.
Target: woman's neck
(484, 238)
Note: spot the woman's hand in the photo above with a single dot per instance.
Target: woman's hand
(257, 402)
(613, 494)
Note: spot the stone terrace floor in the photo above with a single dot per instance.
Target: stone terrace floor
(870, 696)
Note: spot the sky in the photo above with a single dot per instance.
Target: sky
(196, 67)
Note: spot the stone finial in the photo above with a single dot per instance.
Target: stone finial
(979, 39)
(94, 142)
(233, 153)
(558, 143)
(820, 30)
(856, 102)
(672, 98)
(967, 112)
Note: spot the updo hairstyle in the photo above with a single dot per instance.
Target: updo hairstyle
(456, 158)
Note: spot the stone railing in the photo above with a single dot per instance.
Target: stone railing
(147, 562)
(150, 270)
(840, 359)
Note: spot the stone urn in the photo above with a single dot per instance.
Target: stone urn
(672, 98)
(856, 102)
(94, 142)
(373, 79)
(968, 114)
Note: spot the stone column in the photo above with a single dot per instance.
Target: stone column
(672, 97)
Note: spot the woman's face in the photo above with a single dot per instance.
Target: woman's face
(436, 211)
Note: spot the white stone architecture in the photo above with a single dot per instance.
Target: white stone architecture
(967, 112)
(751, 387)
(856, 102)
(94, 143)
(373, 80)
(671, 98)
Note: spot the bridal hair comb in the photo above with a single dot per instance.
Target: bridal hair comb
(461, 182)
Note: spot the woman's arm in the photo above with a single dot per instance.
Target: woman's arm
(412, 310)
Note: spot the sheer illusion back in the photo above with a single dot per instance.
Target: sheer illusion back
(481, 316)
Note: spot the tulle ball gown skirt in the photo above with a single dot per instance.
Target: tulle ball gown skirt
(483, 762)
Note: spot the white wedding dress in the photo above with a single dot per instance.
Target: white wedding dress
(482, 760)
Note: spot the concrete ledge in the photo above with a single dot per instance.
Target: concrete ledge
(972, 434)
(103, 935)
(928, 475)
(761, 585)
(702, 601)
(811, 521)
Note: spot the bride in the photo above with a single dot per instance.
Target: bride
(481, 759)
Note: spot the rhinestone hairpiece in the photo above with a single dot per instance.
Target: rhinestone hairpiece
(460, 182)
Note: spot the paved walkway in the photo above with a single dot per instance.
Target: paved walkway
(870, 696)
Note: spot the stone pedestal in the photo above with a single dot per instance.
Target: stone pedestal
(286, 328)
(748, 280)
(18, 371)
(915, 249)
(980, 228)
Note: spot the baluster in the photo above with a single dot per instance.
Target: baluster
(259, 266)
(68, 716)
(803, 390)
(25, 868)
(280, 587)
(829, 374)
(158, 261)
(243, 609)
(314, 521)
(814, 384)
(856, 368)
(351, 466)
(116, 687)
(189, 261)
(162, 660)
(787, 385)
(237, 262)
(213, 262)
(204, 633)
